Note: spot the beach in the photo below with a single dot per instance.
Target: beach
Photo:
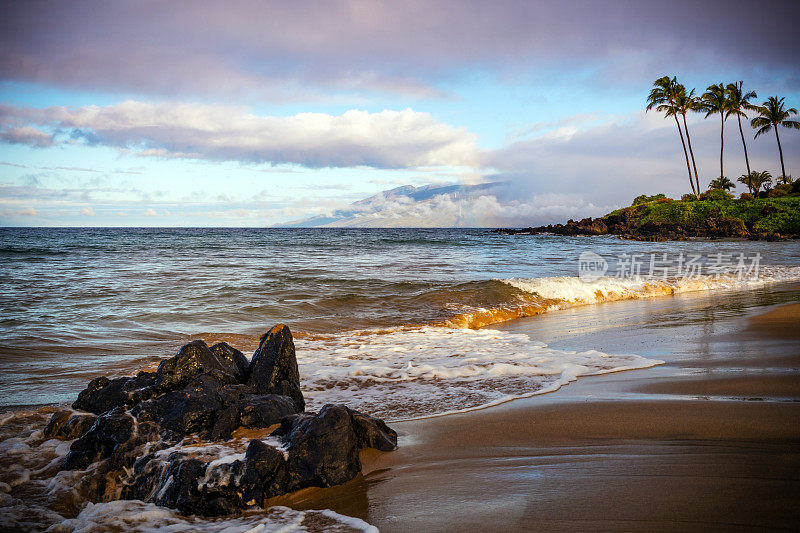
(362, 266)
(709, 441)
(523, 396)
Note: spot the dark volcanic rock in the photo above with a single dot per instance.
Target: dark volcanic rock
(198, 408)
(273, 369)
(135, 446)
(67, 425)
(323, 449)
(193, 360)
(265, 474)
(320, 450)
(101, 395)
(180, 487)
(261, 411)
(234, 359)
(109, 432)
(373, 432)
(139, 388)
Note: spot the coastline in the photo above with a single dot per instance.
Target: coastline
(714, 215)
(708, 441)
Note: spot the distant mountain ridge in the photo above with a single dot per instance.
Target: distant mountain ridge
(391, 207)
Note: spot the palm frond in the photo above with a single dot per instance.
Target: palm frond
(763, 130)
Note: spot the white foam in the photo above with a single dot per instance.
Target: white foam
(572, 290)
(126, 515)
(412, 372)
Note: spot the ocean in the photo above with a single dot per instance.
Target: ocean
(394, 322)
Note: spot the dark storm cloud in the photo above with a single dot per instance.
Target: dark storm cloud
(300, 48)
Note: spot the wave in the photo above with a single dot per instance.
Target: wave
(534, 296)
(454, 363)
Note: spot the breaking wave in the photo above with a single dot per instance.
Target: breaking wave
(534, 296)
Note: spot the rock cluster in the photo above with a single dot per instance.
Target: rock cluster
(128, 431)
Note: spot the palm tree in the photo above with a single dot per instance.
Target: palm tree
(755, 180)
(738, 100)
(662, 97)
(715, 100)
(722, 183)
(771, 114)
(683, 104)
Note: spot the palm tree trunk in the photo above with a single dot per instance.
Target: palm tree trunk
(780, 151)
(744, 145)
(689, 141)
(721, 142)
(685, 153)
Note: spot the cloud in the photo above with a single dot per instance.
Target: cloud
(87, 211)
(26, 212)
(300, 50)
(74, 169)
(386, 139)
(27, 135)
(150, 212)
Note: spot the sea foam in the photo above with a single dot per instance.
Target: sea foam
(421, 371)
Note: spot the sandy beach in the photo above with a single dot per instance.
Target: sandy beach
(708, 441)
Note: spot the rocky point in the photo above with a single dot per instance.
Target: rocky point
(131, 433)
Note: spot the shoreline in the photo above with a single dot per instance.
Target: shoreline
(699, 443)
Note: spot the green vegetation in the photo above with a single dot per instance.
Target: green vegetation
(643, 199)
(770, 215)
(722, 183)
(756, 180)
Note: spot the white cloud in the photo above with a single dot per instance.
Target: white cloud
(386, 139)
(27, 135)
(150, 212)
(87, 211)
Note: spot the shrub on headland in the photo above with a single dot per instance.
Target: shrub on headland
(759, 215)
(643, 199)
(716, 194)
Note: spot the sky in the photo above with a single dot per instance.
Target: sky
(260, 113)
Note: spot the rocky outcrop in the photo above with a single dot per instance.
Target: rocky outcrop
(626, 226)
(273, 369)
(129, 440)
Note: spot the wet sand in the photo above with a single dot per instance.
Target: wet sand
(709, 441)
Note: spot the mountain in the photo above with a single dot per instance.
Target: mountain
(408, 206)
